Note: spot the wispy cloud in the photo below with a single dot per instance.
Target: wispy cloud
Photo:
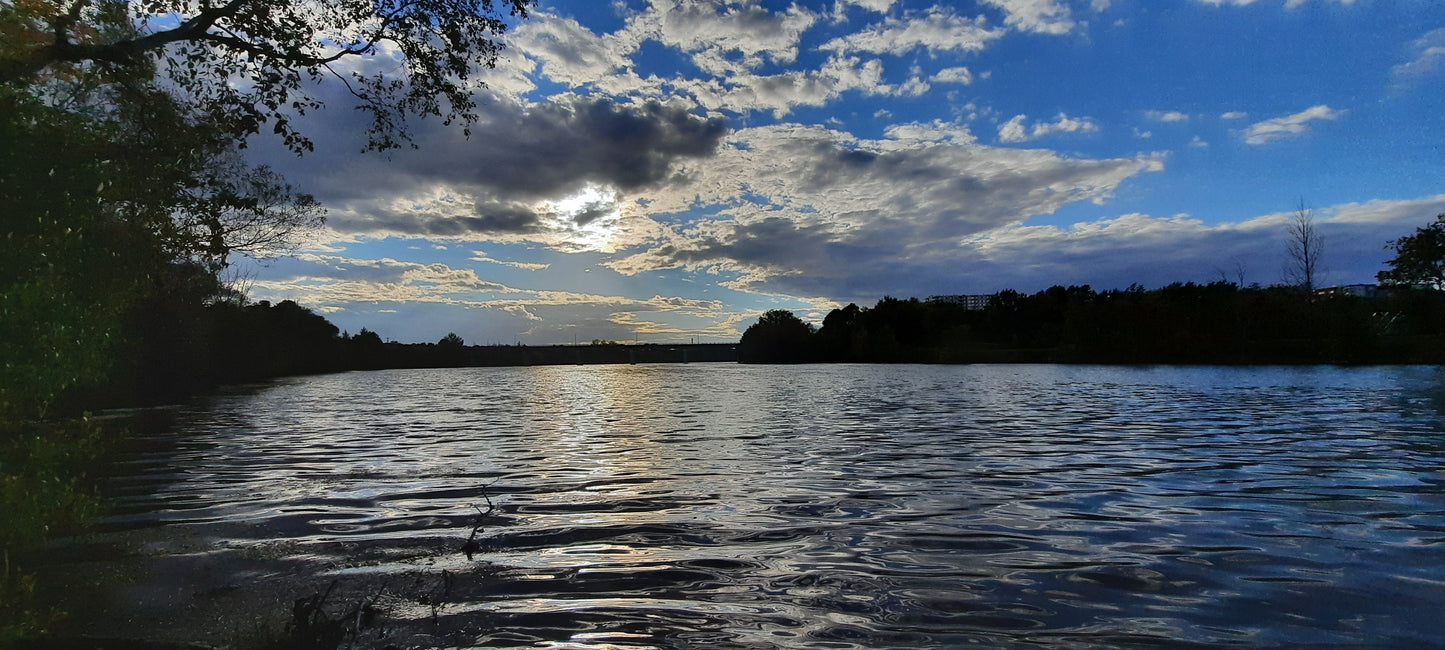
(335, 284)
(1015, 131)
(479, 256)
(1428, 51)
(937, 30)
(1288, 126)
(1167, 116)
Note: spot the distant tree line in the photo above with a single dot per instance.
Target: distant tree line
(1219, 322)
(176, 349)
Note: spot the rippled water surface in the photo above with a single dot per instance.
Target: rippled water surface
(715, 505)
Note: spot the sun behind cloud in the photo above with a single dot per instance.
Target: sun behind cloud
(586, 219)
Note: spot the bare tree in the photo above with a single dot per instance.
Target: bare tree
(1235, 276)
(1304, 248)
(236, 208)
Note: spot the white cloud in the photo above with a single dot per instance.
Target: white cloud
(955, 75)
(334, 281)
(729, 42)
(1065, 124)
(1041, 16)
(937, 30)
(781, 93)
(844, 216)
(1288, 126)
(876, 6)
(334, 284)
(914, 86)
(1167, 116)
(1429, 51)
(1115, 252)
(713, 29)
(1014, 130)
(569, 53)
(930, 132)
(1198, 143)
(1234, 115)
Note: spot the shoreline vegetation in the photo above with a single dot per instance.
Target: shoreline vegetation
(1183, 323)
(186, 350)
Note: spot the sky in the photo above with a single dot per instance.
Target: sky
(665, 171)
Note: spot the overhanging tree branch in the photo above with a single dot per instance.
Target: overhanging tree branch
(277, 44)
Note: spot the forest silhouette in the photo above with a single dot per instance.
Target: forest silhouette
(182, 347)
(1183, 323)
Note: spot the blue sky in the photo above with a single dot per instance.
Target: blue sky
(666, 171)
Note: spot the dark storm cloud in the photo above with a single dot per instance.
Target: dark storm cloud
(763, 243)
(549, 149)
(486, 217)
(543, 151)
(517, 155)
(501, 217)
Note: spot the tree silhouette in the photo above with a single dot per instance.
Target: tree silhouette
(276, 46)
(119, 125)
(1419, 258)
(777, 337)
(233, 207)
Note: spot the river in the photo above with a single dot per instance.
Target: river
(832, 506)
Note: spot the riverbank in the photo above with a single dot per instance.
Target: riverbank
(48, 489)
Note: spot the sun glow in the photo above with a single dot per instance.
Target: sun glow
(586, 219)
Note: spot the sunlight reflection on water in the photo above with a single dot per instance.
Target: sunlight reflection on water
(834, 506)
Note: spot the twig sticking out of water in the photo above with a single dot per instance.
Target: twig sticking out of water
(436, 596)
(472, 547)
(367, 613)
(310, 627)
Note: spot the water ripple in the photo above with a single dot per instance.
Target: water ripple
(836, 506)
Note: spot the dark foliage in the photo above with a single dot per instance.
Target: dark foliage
(777, 337)
(1181, 323)
(278, 46)
(1419, 258)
